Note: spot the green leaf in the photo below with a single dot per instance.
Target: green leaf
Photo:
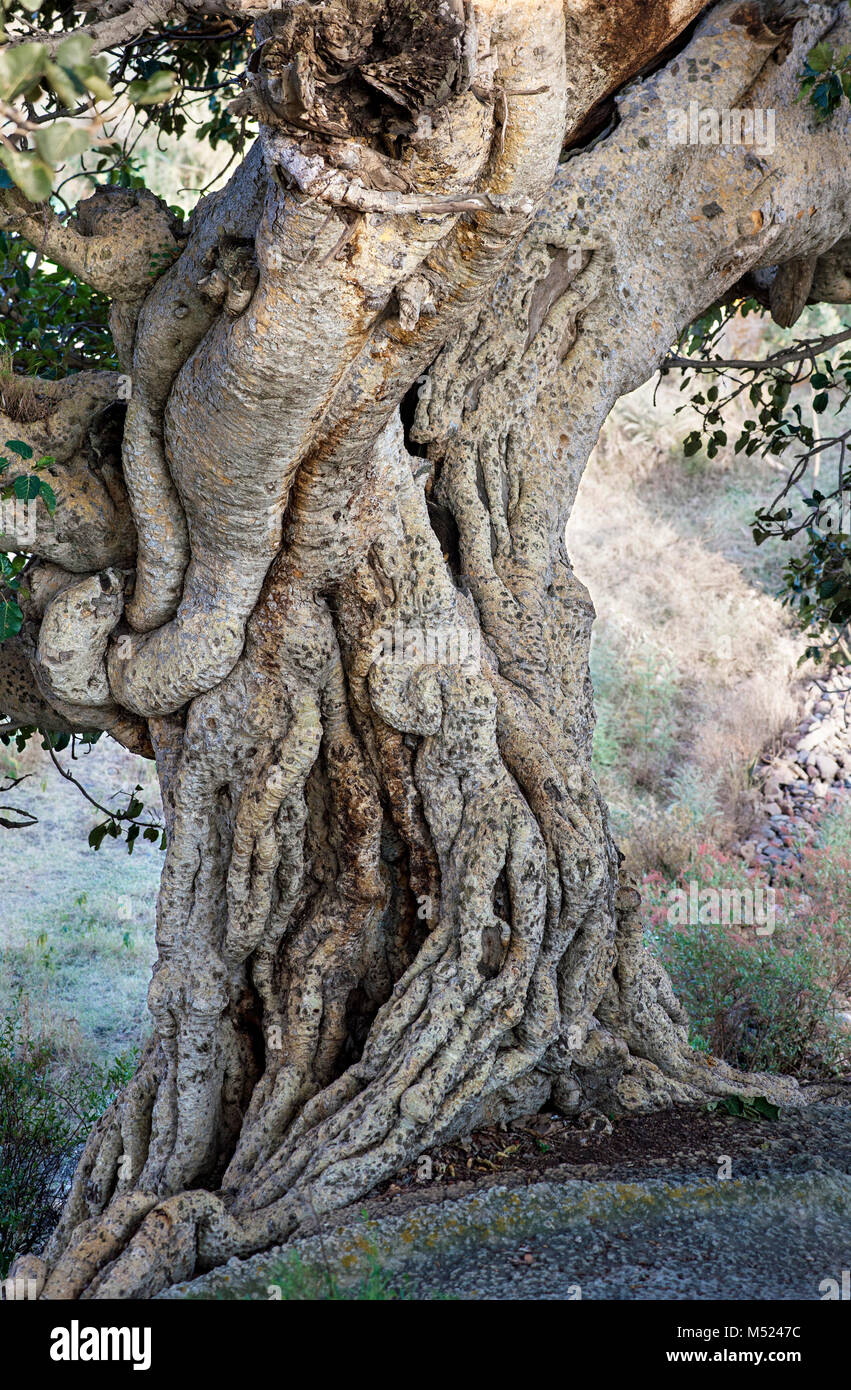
(820, 58)
(761, 1106)
(78, 69)
(75, 51)
(27, 487)
(48, 496)
(29, 172)
(96, 836)
(94, 74)
(20, 68)
(20, 448)
(150, 91)
(11, 619)
(95, 79)
(826, 96)
(61, 140)
(65, 83)
(746, 1107)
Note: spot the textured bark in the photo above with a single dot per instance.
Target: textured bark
(363, 397)
(69, 421)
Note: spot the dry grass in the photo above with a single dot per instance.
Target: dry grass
(18, 398)
(694, 659)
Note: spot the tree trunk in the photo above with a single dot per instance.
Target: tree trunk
(361, 405)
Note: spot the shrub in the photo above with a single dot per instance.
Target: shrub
(46, 1111)
(764, 1003)
(757, 1007)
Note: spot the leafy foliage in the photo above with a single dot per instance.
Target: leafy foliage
(50, 322)
(26, 488)
(164, 74)
(127, 824)
(793, 394)
(763, 1003)
(747, 1107)
(118, 823)
(11, 617)
(753, 1006)
(817, 581)
(72, 80)
(827, 78)
(46, 1111)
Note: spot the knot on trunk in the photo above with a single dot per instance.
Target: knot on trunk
(363, 69)
(232, 275)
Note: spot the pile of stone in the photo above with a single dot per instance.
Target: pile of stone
(793, 786)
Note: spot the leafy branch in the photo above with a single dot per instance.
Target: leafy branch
(127, 823)
(28, 819)
(27, 487)
(73, 80)
(817, 582)
(827, 78)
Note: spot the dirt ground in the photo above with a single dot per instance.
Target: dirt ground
(548, 1147)
(683, 1205)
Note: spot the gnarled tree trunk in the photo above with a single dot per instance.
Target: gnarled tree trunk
(327, 580)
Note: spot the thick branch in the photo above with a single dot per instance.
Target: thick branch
(69, 422)
(116, 241)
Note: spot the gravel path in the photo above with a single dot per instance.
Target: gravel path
(640, 1229)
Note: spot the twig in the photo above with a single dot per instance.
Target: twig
(113, 815)
(804, 351)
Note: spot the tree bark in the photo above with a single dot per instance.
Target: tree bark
(362, 399)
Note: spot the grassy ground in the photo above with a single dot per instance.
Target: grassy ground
(76, 926)
(694, 659)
